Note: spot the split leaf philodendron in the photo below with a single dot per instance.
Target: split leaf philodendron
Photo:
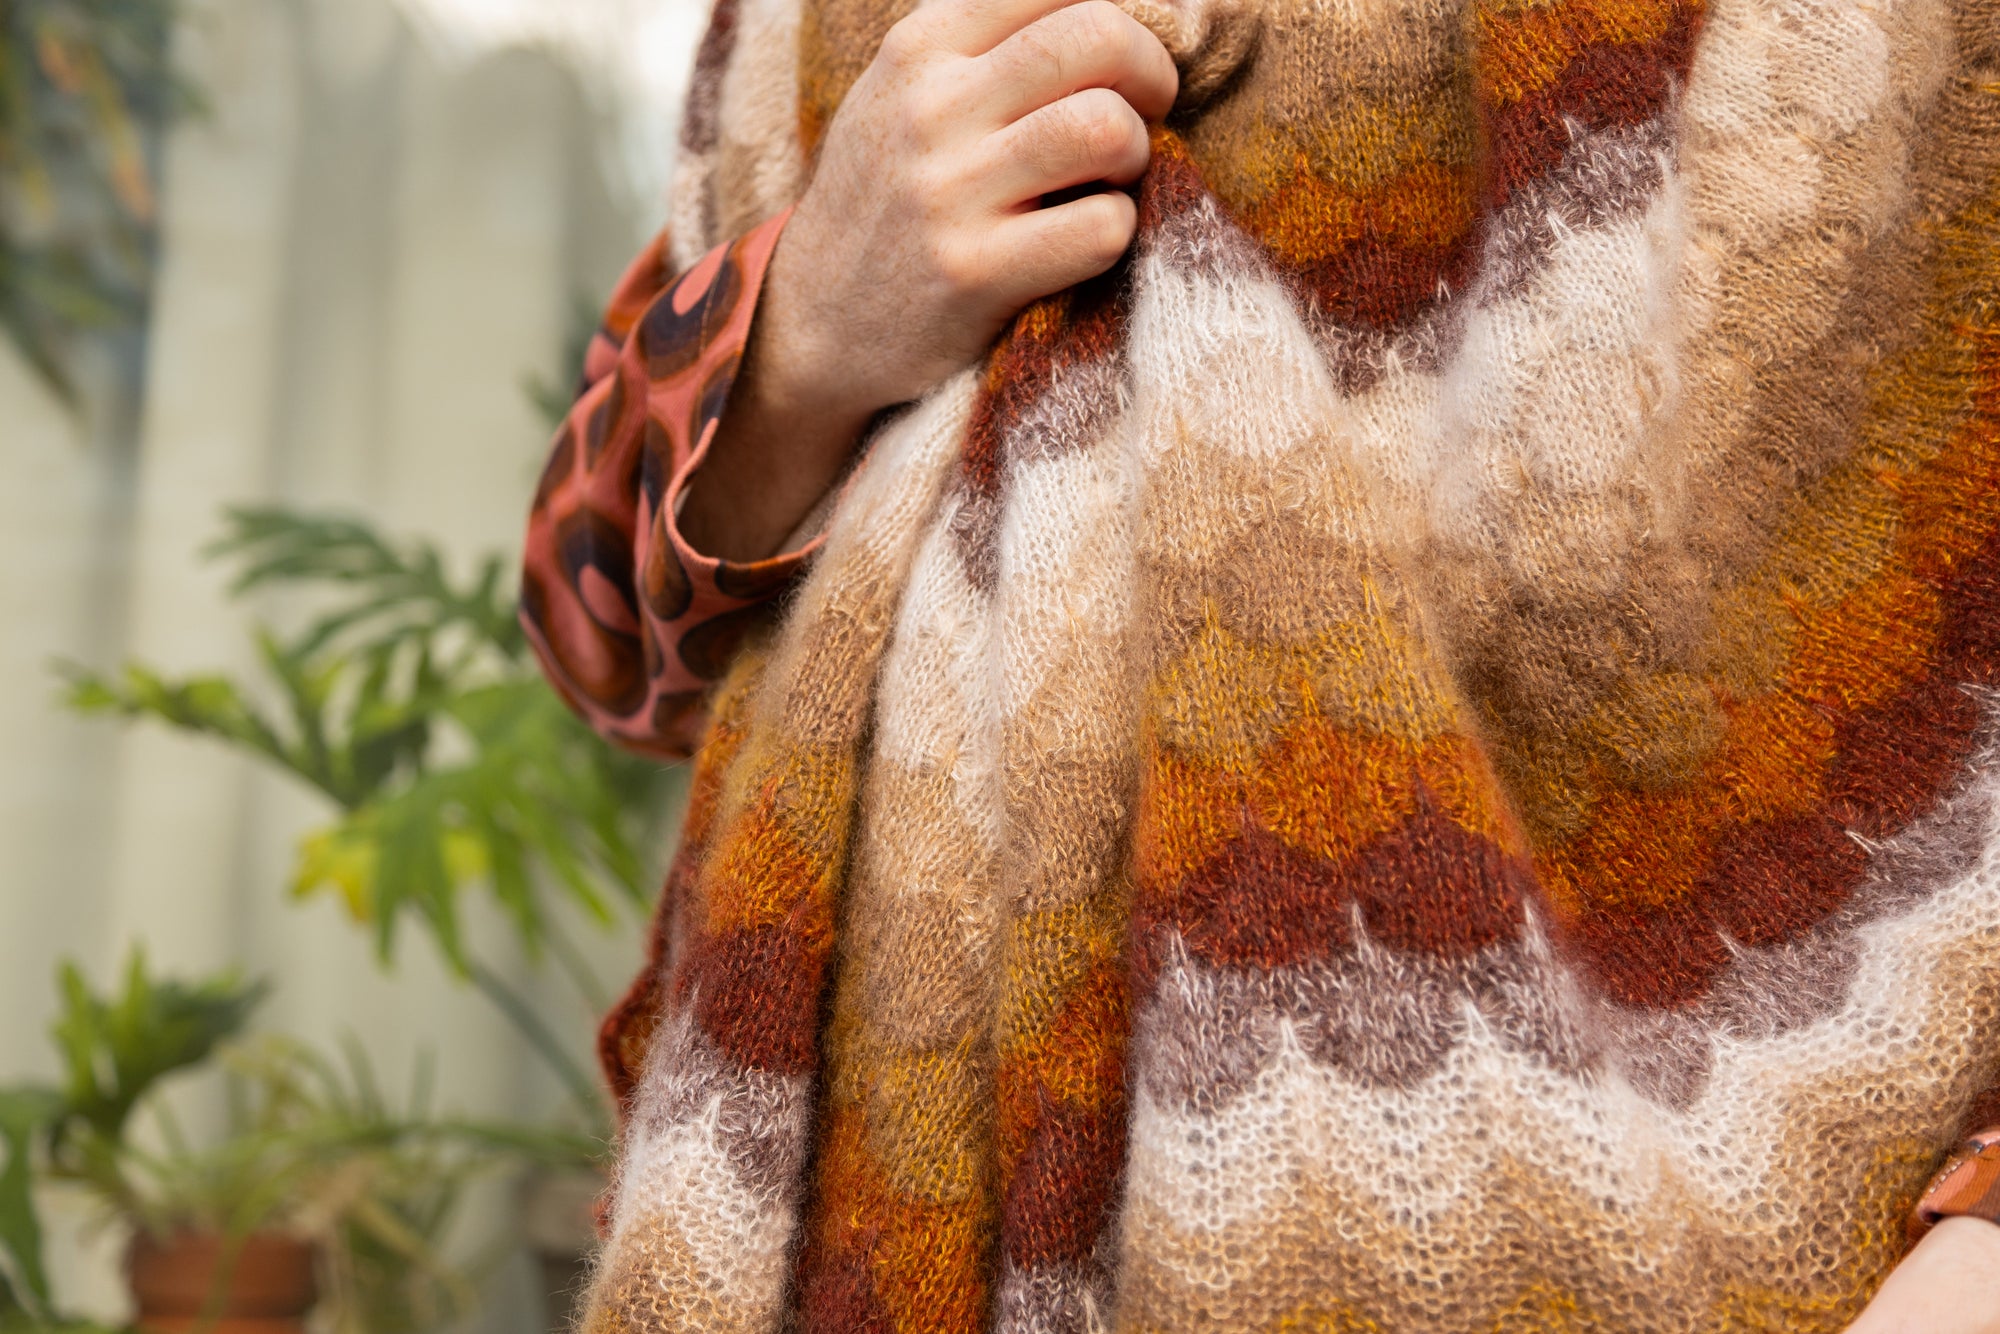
(410, 704)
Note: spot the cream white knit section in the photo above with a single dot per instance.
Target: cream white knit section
(1544, 411)
(938, 675)
(1067, 585)
(1197, 343)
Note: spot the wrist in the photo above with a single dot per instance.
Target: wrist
(1948, 1284)
(1958, 1263)
(801, 363)
(1968, 1246)
(785, 435)
(792, 385)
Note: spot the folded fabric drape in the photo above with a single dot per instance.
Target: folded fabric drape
(1418, 757)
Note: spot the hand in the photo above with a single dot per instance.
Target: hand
(1949, 1284)
(924, 231)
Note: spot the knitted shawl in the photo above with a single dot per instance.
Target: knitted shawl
(1418, 757)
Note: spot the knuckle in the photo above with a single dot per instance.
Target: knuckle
(1099, 124)
(1037, 47)
(903, 46)
(1099, 24)
(935, 181)
(956, 266)
(924, 106)
(1107, 228)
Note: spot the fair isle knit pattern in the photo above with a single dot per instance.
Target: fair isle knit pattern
(1420, 757)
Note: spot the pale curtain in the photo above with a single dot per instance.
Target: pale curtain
(367, 243)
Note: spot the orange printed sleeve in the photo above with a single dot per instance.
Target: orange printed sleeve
(630, 623)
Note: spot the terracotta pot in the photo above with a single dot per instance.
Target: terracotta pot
(269, 1290)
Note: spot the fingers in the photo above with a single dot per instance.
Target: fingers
(974, 27)
(987, 108)
(1094, 135)
(1049, 249)
(1090, 45)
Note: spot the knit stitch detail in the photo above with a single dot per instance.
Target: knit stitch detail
(1420, 756)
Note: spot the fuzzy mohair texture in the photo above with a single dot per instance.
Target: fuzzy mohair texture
(1418, 757)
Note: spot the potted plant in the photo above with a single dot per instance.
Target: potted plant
(319, 1189)
(318, 1197)
(410, 704)
(113, 1052)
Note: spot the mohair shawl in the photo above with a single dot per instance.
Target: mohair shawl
(1419, 757)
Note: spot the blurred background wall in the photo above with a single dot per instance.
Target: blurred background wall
(378, 226)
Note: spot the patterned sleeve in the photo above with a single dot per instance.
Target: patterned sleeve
(631, 624)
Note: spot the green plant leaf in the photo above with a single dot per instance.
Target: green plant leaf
(399, 594)
(538, 802)
(116, 1048)
(211, 706)
(26, 1115)
(409, 702)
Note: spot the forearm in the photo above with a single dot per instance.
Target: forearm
(768, 467)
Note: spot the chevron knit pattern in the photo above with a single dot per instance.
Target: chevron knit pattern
(1420, 757)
